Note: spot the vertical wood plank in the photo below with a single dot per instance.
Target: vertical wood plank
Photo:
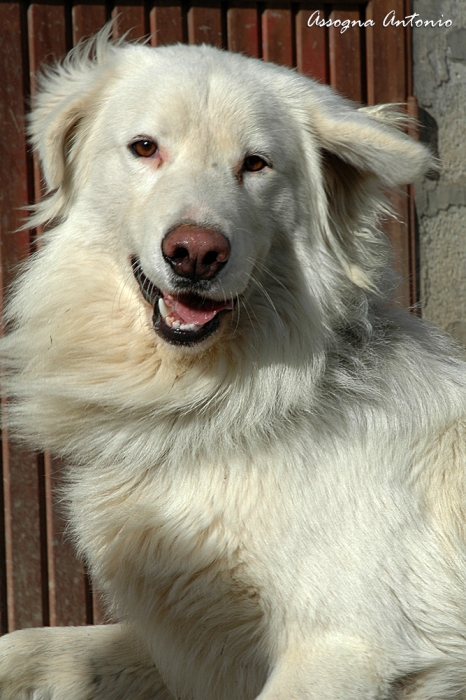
(408, 52)
(398, 233)
(67, 581)
(387, 82)
(386, 54)
(22, 604)
(14, 190)
(205, 24)
(166, 24)
(46, 39)
(24, 553)
(243, 29)
(312, 44)
(413, 111)
(277, 35)
(46, 36)
(131, 20)
(346, 61)
(3, 560)
(87, 18)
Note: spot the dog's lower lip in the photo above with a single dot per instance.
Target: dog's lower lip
(175, 335)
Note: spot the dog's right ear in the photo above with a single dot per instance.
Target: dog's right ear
(65, 95)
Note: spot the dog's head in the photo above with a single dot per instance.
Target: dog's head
(217, 178)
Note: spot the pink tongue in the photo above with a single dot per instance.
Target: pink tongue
(197, 316)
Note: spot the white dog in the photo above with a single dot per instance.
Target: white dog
(268, 473)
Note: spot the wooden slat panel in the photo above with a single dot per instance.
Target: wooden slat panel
(166, 24)
(67, 581)
(277, 35)
(131, 19)
(87, 19)
(33, 528)
(386, 54)
(346, 62)
(21, 525)
(205, 24)
(46, 36)
(64, 589)
(14, 192)
(311, 44)
(243, 29)
(24, 555)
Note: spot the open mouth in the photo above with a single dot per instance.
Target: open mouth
(180, 319)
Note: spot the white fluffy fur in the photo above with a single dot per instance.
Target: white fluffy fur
(279, 512)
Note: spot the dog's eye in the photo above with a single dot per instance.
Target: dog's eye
(254, 163)
(144, 148)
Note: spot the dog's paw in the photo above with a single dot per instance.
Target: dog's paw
(22, 666)
(33, 667)
(77, 663)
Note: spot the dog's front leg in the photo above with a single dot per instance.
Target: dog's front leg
(106, 662)
(334, 669)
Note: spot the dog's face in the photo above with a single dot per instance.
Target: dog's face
(196, 167)
(202, 166)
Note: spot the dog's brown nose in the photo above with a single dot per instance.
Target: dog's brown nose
(195, 252)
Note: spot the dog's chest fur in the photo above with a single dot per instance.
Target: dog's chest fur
(175, 557)
(198, 555)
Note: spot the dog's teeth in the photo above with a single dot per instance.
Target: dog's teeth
(163, 308)
(166, 312)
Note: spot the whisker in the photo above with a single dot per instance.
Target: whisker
(117, 300)
(247, 307)
(266, 295)
(263, 268)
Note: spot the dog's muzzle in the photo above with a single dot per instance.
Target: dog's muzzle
(181, 319)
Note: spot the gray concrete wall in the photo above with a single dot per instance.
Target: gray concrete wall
(440, 86)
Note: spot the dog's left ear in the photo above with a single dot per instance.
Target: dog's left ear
(371, 140)
(65, 95)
